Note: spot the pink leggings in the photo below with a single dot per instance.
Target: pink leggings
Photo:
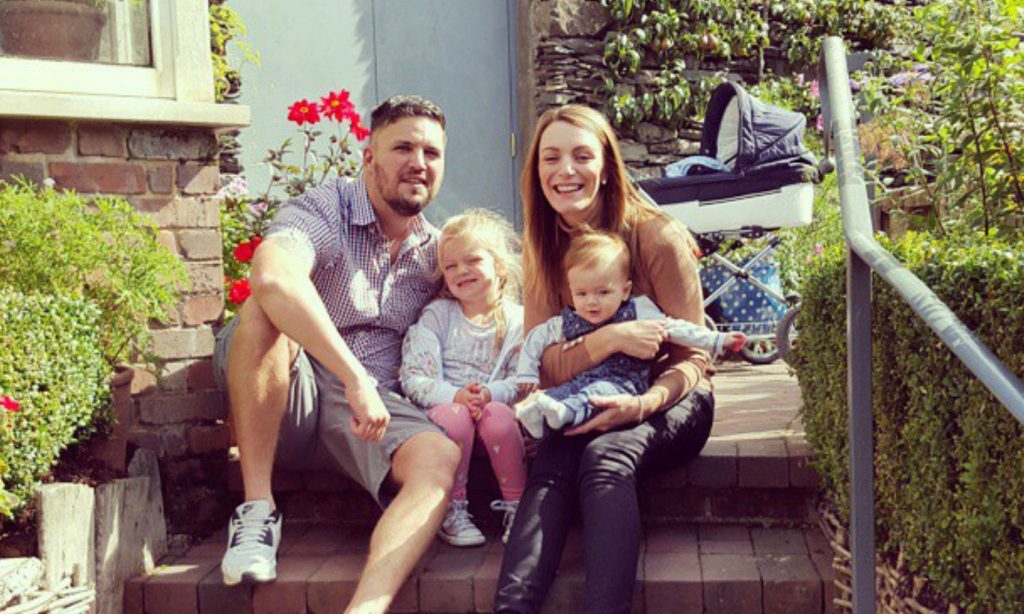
(498, 432)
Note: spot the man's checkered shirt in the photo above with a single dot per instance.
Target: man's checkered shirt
(371, 300)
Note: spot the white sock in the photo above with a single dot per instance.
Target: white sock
(556, 414)
(532, 419)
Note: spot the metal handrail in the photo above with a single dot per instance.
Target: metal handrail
(863, 255)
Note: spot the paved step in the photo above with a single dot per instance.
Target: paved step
(713, 569)
(755, 467)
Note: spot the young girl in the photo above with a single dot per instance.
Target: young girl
(459, 360)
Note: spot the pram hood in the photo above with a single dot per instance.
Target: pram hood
(750, 136)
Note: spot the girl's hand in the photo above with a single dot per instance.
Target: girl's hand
(613, 411)
(474, 396)
(483, 398)
(466, 395)
(640, 338)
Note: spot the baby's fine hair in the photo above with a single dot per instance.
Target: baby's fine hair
(491, 231)
(593, 247)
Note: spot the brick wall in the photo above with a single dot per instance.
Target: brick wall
(170, 174)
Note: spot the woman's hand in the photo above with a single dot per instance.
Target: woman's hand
(640, 338)
(524, 389)
(613, 411)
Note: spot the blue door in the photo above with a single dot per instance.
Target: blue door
(458, 54)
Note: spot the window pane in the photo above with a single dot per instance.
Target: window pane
(104, 31)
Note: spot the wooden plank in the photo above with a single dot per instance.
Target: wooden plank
(154, 525)
(18, 576)
(66, 533)
(122, 551)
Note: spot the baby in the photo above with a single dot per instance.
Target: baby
(597, 269)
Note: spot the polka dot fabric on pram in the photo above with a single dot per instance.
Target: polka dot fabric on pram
(744, 306)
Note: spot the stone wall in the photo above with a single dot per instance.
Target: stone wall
(170, 174)
(567, 39)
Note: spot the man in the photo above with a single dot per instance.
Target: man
(311, 361)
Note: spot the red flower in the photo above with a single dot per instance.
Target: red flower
(244, 251)
(304, 112)
(239, 291)
(358, 129)
(9, 404)
(337, 106)
(255, 242)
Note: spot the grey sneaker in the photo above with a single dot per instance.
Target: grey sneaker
(458, 528)
(254, 533)
(510, 508)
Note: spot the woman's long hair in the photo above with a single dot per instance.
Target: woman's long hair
(545, 240)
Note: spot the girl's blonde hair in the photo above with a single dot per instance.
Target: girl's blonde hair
(622, 206)
(487, 229)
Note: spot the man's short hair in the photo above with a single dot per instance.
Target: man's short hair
(400, 106)
(595, 247)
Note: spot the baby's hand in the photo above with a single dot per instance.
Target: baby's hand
(734, 341)
(524, 389)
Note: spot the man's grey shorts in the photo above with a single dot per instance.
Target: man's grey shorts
(315, 432)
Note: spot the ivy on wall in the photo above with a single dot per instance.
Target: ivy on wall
(227, 26)
(663, 38)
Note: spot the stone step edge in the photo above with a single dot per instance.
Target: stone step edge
(719, 466)
(676, 574)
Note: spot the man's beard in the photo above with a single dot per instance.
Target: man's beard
(401, 206)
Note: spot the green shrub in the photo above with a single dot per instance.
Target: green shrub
(949, 459)
(801, 245)
(99, 249)
(52, 366)
(948, 114)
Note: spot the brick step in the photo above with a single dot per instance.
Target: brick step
(766, 480)
(732, 569)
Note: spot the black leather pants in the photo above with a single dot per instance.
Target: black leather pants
(600, 471)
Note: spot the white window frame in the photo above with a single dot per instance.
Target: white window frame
(177, 88)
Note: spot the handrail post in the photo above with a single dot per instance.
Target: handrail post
(838, 110)
(864, 255)
(861, 431)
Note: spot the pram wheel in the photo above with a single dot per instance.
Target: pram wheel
(760, 351)
(787, 333)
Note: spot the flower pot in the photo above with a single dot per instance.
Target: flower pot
(113, 450)
(51, 29)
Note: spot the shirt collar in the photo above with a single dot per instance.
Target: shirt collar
(364, 215)
(362, 210)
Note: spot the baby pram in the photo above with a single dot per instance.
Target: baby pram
(754, 175)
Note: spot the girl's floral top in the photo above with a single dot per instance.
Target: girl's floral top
(444, 351)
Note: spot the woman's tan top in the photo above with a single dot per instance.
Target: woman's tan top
(664, 269)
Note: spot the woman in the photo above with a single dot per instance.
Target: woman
(574, 177)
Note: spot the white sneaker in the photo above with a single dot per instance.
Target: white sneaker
(555, 413)
(458, 528)
(510, 508)
(532, 419)
(254, 533)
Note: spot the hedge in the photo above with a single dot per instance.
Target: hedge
(94, 247)
(52, 366)
(949, 458)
